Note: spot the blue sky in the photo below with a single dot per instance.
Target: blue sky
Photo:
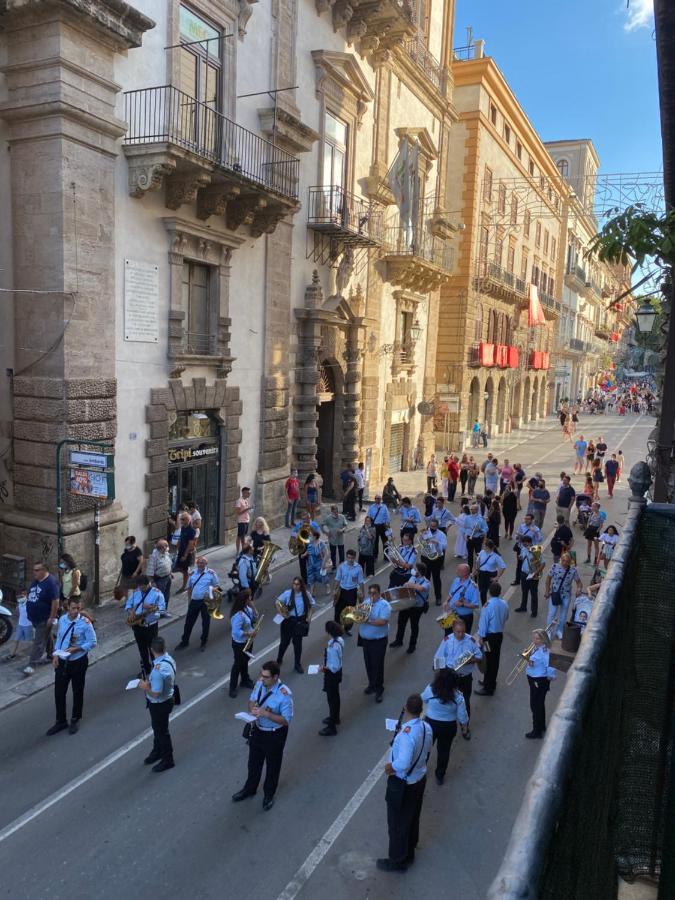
(580, 69)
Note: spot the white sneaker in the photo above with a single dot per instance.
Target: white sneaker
(28, 670)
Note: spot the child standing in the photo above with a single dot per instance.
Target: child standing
(332, 676)
(24, 632)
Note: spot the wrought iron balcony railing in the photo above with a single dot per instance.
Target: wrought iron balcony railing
(202, 344)
(462, 54)
(427, 62)
(340, 213)
(166, 115)
(419, 244)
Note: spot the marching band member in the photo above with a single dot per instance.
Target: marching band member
(475, 529)
(373, 639)
(420, 583)
(295, 626)
(271, 703)
(159, 691)
(529, 578)
(147, 601)
(442, 515)
(410, 518)
(243, 617)
(525, 529)
(401, 574)
(407, 779)
(306, 522)
(379, 515)
(559, 581)
(538, 676)
(349, 581)
(201, 585)
(463, 597)
(490, 566)
(493, 617)
(332, 676)
(452, 648)
(434, 566)
(75, 636)
(445, 707)
(246, 569)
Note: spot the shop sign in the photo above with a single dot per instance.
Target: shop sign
(91, 475)
(185, 454)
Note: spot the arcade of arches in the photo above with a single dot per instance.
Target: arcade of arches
(502, 404)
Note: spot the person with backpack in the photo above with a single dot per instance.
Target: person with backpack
(71, 580)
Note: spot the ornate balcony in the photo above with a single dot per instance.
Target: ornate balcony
(417, 51)
(498, 282)
(416, 259)
(345, 216)
(575, 279)
(196, 152)
(372, 24)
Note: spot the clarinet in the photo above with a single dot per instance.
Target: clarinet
(398, 726)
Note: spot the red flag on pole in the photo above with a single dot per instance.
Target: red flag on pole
(535, 314)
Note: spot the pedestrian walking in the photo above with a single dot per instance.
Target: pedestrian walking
(158, 569)
(559, 581)
(541, 497)
(242, 510)
(464, 467)
(25, 633)
(132, 564)
(75, 637)
(42, 608)
(292, 492)
(565, 497)
(379, 516)
(161, 694)
(611, 473)
(509, 510)
(360, 476)
(445, 707)
(70, 579)
(334, 526)
(432, 470)
(366, 543)
(580, 447)
(185, 554)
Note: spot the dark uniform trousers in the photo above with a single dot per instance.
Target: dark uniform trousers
(398, 577)
(287, 630)
(373, 656)
(519, 563)
(473, 545)
(413, 616)
(195, 609)
(530, 587)
(239, 667)
(444, 735)
(162, 748)
(538, 689)
(70, 672)
(494, 640)
(346, 597)
(331, 685)
(163, 583)
(265, 747)
(465, 685)
(484, 581)
(380, 535)
(404, 822)
(434, 567)
(145, 635)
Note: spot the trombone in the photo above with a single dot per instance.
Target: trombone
(524, 656)
(252, 636)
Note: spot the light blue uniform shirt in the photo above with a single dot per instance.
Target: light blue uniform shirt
(525, 555)
(415, 736)
(379, 514)
(279, 702)
(539, 660)
(242, 622)
(438, 536)
(530, 531)
(200, 582)
(409, 516)
(409, 554)
(380, 610)
(333, 655)
(422, 596)
(293, 600)
(81, 633)
(474, 525)
(349, 575)
(312, 525)
(442, 515)
(451, 649)
(493, 617)
(162, 678)
(463, 590)
(140, 600)
(490, 561)
(246, 570)
(452, 711)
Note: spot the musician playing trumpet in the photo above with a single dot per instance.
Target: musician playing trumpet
(144, 607)
(243, 617)
(421, 584)
(402, 572)
(349, 581)
(459, 651)
(298, 603)
(436, 540)
(463, 598)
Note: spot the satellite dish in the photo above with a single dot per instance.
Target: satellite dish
(425, 408)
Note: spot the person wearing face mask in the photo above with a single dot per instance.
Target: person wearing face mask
(70, 580)
(132, 565)
(159, 568)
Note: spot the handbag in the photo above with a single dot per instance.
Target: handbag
(176, 690)
(396, 786)
(556, 598)
(301, 628)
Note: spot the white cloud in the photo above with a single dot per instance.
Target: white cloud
(640, 15)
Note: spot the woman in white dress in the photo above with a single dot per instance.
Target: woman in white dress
(608, 541)
(460, 541)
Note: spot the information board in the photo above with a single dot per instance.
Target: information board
(141, 302)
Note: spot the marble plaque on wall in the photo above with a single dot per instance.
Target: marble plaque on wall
(141, 302)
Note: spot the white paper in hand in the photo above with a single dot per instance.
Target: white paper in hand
(244, 717)
(439, 662)
(313, 670)
(133, 684)
(390, 724)
(62, 654)
(278, 619)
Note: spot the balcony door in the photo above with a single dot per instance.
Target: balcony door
(334, 174)
(200, 83)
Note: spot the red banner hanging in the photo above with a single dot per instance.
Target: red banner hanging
(486, 354)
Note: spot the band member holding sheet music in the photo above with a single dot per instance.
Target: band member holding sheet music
(243, 617)
(75, 637)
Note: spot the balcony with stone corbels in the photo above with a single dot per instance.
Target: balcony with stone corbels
(373, 25)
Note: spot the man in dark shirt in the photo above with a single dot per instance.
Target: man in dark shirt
(186, 548)
(562, 538)
(611, 471)
(565, 498)
(42, 609)
(540, 500)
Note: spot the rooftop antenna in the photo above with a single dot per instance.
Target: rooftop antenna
(469, 36)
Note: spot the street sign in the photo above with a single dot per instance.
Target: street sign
(91, 475)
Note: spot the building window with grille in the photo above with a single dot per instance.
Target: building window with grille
(493, 114)
(519, 150)
(530, 168)
(537, 235)
(198, 303)
(554, 247)
(511, 256)
(524, 265)
(563, 167)
(507, 133)
(483, 248)
(501, 201)
(499, 249)
(487, 185)
(527, 221)
(200, 80)
(546, 240)
(478, 323)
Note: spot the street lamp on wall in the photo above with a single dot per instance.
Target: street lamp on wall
(416, 331)
(645, 318)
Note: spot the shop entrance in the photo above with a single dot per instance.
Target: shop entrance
(194, 470)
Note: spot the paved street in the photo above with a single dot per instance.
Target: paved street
(82, 816)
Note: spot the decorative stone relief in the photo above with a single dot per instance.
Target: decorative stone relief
(245, 12)
(145, 177)
(183, 189)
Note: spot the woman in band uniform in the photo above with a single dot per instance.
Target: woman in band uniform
(243, 617)
(445, 707)
(538, 676)
(332, 676)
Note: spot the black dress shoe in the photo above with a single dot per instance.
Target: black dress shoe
(149, 760)
(73, 727)
(439, 602)
(520, 609)
(233, 693)
(440, 778)
(56, 727)
(514, 583)
(534, 735)
(163, 766)
(379, 698)
(202, 647)
(242, 795)
(410, 650)
(388, 865)
(268, 803)
(410, 859)
(484, 693)
(299, 669)
(467, 734)
(248, 684)
(533, 615)
(396, 644)
(369, 690)
(328, 731)
(481, 682)
(181, 646)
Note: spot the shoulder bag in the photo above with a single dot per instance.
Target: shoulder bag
(396, 786)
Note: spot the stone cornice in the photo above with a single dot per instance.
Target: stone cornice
(41, 113)
(176, 225)
(61, 63)
(291, 132)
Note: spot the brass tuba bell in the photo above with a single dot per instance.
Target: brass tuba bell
(269, 551)
(297, 543)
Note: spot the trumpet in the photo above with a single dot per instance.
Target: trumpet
(356, 615)
(429, 549)
(252, 636)
(297, 543)
(524, 656)
(393, 554)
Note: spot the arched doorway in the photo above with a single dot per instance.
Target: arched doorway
(326, 421)
(473, 409)
(489, 405)
(534, 411)
(501, 405)
(526, 401)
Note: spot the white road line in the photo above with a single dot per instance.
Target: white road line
(302, 875)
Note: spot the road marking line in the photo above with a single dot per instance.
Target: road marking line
(305, 871)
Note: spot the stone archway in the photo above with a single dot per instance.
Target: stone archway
(525, 418)
(330, 412)
(501, 406)
(534, 411)
(488, 409)
(473, 409)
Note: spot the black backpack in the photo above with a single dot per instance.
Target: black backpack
(83, 581)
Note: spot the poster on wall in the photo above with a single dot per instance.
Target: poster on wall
(141, 302)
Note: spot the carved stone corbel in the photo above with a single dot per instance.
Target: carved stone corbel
(323, 5)
(242, 210)
(342, 13)
(245, 13)
(145, 177)
(183, 189)
(355, 30)
(266, 220)
(212, 200)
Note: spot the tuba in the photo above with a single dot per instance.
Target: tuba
(429, 549)
(393, 554)
(297, 543)
(269, 551)
(356, 615)
(538, 565)
(213, 603)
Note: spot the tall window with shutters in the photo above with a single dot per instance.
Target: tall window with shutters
(200, 79)
(198, 307)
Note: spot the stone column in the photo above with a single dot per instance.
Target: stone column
(63, 135)
(352, 403)
(305, 431)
